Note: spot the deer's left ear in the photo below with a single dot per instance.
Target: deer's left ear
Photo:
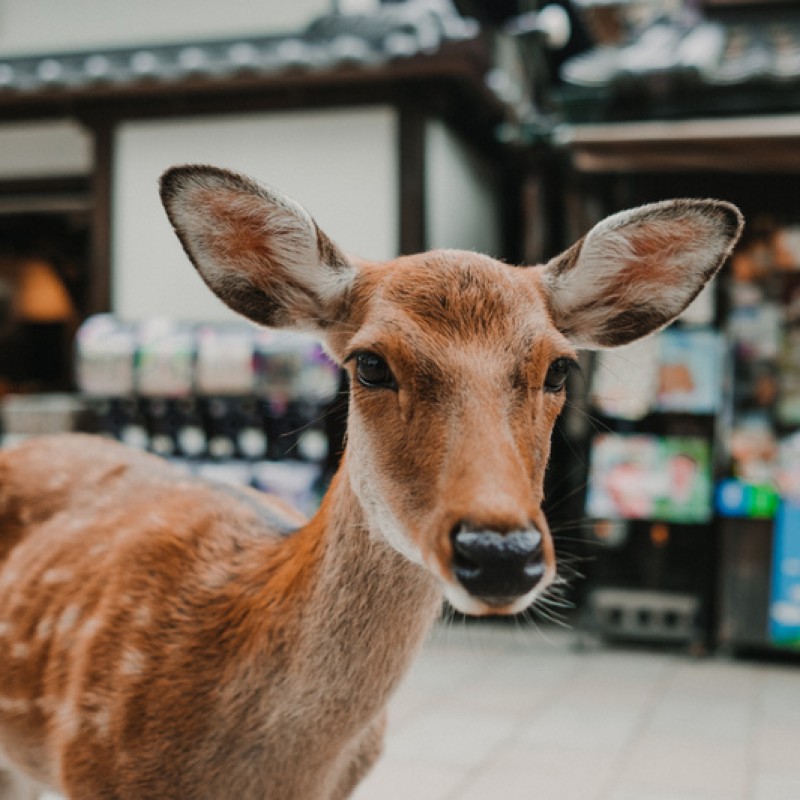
(636, 271)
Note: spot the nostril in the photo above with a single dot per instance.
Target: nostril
(466, 551)
(525, 544)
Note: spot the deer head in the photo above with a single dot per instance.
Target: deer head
(457, 362)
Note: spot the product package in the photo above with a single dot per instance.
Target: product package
(650, 477)
(784, 609)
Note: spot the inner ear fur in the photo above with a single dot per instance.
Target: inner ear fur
(260, 252)
(636, 271)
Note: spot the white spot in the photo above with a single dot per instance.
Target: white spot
(68, 720)
(156, 520)
(9, 578)
(56, 575)
(46, 704)
(69, 616)
(58, 481)
(90, 627)
(143, 616)
(132, 663)
(97, 549)
(786, 614)
(13, 705)
(5, 627)
(20, 650)
(44, 628)
(101, 719)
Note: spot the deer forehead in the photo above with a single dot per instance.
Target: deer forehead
(451, 308)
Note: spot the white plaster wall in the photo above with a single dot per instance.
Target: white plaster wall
(44, 149)
(40, 26)
(462, 195)
(340, 164)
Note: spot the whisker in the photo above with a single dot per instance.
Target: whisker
(553, 602)
(598, 426)
(562, 499)
(549, 616)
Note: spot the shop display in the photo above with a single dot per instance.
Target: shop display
(25, 415)
(293, 367)
(788, 389)
(690, 376)
(680, 370)
(760, 439)
(736, 498)
(105, 353)
(764, 334)
(165, 359)
(625, 380)
(225, 360)
(649, 477)
(293, 481)
(230, 402)
(655, 477)
(651, 473)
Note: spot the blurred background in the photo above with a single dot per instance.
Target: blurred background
(503, 126)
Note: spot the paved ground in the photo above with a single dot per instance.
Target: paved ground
(493, 712)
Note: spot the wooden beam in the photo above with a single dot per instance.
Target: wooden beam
(412, 179)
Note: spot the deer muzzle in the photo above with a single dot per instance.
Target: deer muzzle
(497, 568)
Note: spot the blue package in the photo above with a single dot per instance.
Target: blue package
(784, 609)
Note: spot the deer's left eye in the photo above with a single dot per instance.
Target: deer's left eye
(373, 372)
(557, 374)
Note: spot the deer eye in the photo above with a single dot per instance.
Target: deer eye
(557, 374)
(373, 372)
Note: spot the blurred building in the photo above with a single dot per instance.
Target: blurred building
(98, 99)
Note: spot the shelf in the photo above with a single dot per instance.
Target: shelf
(743, 144)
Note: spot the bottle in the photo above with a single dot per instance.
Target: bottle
(252, 442)
(131, 425)
(190, 434)
(162, 428)
(219, 426)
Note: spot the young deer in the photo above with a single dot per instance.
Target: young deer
(163, 637)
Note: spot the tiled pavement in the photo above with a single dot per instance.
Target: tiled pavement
(497, 712)
(492, 712)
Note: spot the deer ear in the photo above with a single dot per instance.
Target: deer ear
(260, 252)
(636, 271)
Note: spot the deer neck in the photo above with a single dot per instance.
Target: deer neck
(344, 610)
(371, 603)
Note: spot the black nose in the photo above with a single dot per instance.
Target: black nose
(498, 567)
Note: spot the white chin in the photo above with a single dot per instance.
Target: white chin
(463, 601)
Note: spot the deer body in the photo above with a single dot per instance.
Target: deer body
(222, 613)
(197, 607)
(161, 636)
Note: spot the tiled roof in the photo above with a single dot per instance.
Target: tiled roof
(394, 33)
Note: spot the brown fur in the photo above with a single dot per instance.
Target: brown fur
(161, 636)
(210, 690)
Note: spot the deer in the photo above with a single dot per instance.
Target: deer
(162, 636)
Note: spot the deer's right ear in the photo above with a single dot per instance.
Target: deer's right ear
(260, 252)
